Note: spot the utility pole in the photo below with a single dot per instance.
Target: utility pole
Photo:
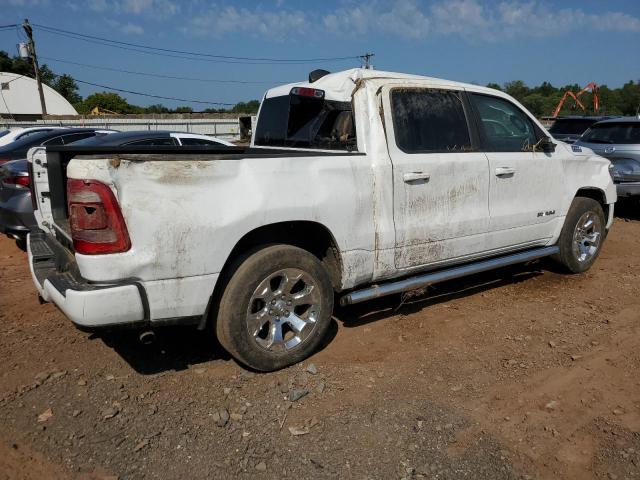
(366, 58)
(32, 52)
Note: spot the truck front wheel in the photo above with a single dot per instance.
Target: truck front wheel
(276, 308)
(582, 235)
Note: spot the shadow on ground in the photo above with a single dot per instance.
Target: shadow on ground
(175, 348)
(628, 209)
(411, 302)
(178, 348)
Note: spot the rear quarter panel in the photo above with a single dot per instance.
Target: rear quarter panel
(184, 216)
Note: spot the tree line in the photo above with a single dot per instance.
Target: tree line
(540, 100)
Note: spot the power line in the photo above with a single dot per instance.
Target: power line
(153, 96)
(197, 54)
(198, 59)
(13, 25)
(159, 75)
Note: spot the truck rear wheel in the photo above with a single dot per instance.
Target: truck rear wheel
(582, 235)
(276, 308)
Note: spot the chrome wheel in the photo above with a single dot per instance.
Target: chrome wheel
(587, 237)
(283, 310)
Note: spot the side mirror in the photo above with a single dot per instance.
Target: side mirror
(545, 144)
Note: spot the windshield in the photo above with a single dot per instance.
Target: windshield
(618, 133)
(306, 122)
(571, 126)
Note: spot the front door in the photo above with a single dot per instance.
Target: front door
(526, 186)
(441, 184)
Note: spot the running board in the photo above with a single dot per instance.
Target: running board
(419, 281)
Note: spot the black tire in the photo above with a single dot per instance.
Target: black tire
(21, 242)
(569, 257)
(238, 298)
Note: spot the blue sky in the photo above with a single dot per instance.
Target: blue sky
(477, 41)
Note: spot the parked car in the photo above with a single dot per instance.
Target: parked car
(618, 139)
(154, 138)
(16, 209)
(12, 135)
(18, 149)
(569, 129)
(360, 183)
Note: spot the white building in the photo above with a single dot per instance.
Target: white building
(19, 98)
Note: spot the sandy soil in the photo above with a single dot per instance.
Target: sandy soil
(520, 373)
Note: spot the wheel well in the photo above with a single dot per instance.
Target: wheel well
(311, 236)
(597, 195)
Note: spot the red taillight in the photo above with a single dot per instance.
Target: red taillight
(19, 181)
(97, 225)
(307, 92)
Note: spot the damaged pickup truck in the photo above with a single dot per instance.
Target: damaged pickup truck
(357, 184)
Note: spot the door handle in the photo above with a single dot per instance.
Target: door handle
(504, 171)
(415, 176)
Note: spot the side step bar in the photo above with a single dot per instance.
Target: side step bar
(423, 280)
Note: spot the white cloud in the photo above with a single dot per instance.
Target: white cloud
(132, 28)
(23, 3)
(157, 8)
(471, 19)
(150, 8)
(98, 5)
(218, 22)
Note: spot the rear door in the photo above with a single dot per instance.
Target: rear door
(440, 181)
(526, 186)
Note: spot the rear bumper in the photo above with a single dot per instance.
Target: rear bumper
(628, 189)
(87, 305)
(129, 302)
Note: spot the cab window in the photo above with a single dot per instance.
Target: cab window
(504, 127)
(196, 141)
(156, 142)
(427, 120)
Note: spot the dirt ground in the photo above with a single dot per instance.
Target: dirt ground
(520, 373)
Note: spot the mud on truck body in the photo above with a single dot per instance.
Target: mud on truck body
(357, 184)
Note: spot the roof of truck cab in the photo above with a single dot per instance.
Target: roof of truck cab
(339, 86)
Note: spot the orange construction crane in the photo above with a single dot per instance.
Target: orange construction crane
(576, 97)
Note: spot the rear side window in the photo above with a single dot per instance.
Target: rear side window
(505, 127)
(32, 132)
(304, 122)
(54, 141)
(197, 141)
(619, 133)
(426, 120)
(158, 142)
(74, 137)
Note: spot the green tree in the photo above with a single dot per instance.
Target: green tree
(517, 89)
(495, 86)
(535, 103)
(107, 101)
(246, 107)
(66, 86)
(183, 110)
(157, 108)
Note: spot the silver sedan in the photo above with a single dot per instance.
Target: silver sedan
(618, 140)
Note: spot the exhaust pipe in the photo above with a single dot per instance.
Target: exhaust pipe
(147, 337)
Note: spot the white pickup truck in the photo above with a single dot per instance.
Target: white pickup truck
(357, 184)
